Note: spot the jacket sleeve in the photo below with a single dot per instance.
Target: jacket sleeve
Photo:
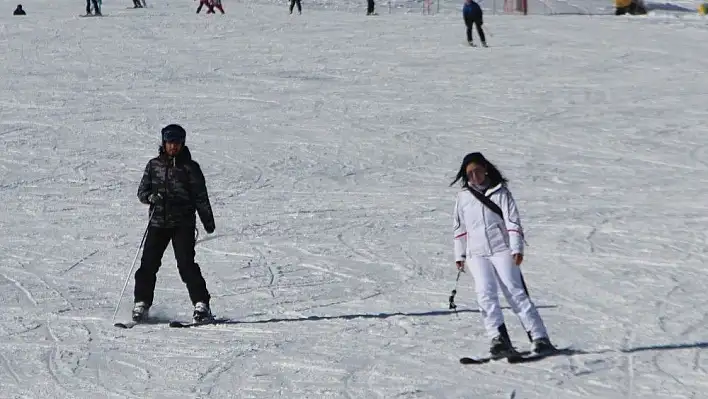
(460, 233)
(145, 187)
(201, 197)
(512, 220)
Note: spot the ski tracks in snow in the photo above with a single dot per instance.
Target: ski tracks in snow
(10, 370)
(27, 295)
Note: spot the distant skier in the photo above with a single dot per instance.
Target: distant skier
(370, 5)
(488, 240)
(473, 16)
(174, 187)
(138, 4)
(217, 4)
(203, 3)
(96, 8)
(292, 5)
(210, 6)
(19, 10)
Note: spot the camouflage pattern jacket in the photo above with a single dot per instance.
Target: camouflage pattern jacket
(180, 182)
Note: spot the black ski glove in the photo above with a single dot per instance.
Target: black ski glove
(155, 199)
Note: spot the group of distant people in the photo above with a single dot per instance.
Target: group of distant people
(471, 11)
(210, 4)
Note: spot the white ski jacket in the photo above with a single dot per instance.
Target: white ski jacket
(481, 232)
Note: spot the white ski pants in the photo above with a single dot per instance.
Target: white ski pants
(499, 271)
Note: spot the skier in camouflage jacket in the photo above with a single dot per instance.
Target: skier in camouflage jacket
(174, 186)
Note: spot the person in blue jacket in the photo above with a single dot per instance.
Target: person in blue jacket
(472, 14)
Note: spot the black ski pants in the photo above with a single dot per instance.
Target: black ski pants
(474, 20)
(96, 8)
(292, 5)
(183, 242)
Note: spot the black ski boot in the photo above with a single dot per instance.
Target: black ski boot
(501, 345)
(542, 346)
(202, 313)
(140, 311)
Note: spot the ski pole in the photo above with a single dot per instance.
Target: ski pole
(453, 306)
(523, 283)
(130, 272)
(526, 290)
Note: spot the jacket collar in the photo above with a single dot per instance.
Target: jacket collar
(492, 190)
(182, 157)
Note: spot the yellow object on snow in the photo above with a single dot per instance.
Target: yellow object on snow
(622, 3)
(703, 9)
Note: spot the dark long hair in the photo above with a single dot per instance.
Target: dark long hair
(493, 174)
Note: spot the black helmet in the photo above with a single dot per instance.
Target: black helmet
(174, 133)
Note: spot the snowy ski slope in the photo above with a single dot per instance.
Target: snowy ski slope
(328, 141)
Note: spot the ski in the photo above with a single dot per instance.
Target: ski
(532, 357)
(174, 323)
(185, 324)
(133, 323)
(475, 360)
(489, 358)
(519, 357)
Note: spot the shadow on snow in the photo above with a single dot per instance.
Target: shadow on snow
(563, 352)
(362, 316)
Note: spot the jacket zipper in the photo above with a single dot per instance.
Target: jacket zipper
(167, 189)
(486, 236)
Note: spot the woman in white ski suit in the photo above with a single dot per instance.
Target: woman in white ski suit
(492, 248)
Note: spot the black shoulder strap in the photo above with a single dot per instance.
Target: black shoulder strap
(486, 201)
